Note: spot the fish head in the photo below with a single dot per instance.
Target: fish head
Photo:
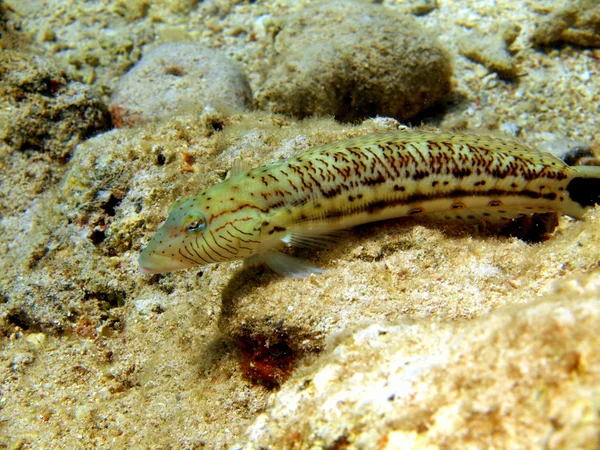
(199, 232)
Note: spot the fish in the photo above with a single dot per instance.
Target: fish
(306, 199)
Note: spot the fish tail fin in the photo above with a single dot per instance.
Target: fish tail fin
(585, 187)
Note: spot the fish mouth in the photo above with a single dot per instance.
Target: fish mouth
(150, 262)
(145, 269)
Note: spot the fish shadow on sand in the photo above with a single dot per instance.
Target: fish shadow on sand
(530, 229)
(253, 341)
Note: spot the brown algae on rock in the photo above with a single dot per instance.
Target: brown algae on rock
(353, 60)
(490, 49)
(577, 23)
(419, 336)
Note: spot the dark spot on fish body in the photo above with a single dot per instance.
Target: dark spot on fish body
(374, 181)
(585, 191)
(300, 201)
(432, 144)
(332, 192)
(333, 214)
(276, 229)
(420, 174)
(374, 207)
(461, 173)
(498, 173)
(277, 205)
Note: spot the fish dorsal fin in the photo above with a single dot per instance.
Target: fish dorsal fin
(510, 145)
(239, 166)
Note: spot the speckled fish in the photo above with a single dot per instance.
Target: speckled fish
(302, 199)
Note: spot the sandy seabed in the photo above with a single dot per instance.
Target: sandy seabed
(418, 336)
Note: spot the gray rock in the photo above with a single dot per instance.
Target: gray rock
(176, 78)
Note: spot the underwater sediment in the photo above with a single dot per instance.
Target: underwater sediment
(418, 335)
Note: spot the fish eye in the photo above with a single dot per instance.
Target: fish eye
(196, 223)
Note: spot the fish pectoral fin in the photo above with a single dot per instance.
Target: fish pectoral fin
(238, 167)
(283, 264)
(314, 240)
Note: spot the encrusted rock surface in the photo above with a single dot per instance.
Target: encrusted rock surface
(519, 377)
(44, 114)
(575, 23)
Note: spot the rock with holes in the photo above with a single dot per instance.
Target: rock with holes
(353, 60)
(177, 78)
(44, 113)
